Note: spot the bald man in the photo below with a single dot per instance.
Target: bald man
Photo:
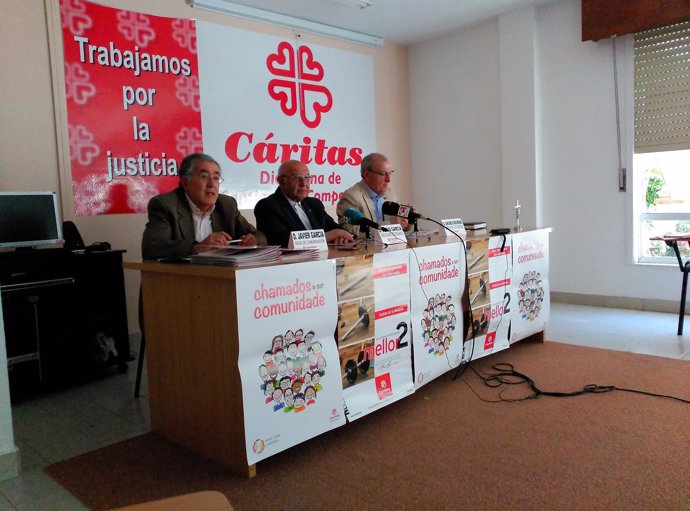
(290, 209)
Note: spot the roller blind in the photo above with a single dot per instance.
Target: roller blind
(662, 88)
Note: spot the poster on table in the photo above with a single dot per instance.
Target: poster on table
(489, 273)
(373, 330)
(437, 281)
(266, 100)
(288, 358)
(530, 283)
(127, 74)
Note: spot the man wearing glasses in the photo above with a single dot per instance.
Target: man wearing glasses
(195, 216)
(290, 208)
(368, 195)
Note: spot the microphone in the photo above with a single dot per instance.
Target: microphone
(357, 218)
(407, 212)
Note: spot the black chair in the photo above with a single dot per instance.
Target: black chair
(142, 347)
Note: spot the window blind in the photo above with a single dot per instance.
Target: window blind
(662, 88)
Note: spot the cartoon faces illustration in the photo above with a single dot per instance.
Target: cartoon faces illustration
(291, 371)
(530, 295)
(438, 324)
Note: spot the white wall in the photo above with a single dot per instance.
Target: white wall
(459, 128)
(456, 125)
(9, 457)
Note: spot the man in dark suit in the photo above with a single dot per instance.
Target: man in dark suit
(290, 208)
(195, 215)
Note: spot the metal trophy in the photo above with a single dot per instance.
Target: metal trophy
(517, 227)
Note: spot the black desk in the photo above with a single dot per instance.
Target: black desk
(65, 316)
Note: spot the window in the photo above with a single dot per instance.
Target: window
(661, 163)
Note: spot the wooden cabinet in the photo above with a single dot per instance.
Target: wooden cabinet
(65, 317)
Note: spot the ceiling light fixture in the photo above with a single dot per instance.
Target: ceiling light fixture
(362, 4)
(283, 20)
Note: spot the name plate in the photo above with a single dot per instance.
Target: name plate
(394, 235)
(453, 225)
(312, 240)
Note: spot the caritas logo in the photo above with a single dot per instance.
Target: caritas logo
(384, 388)
(296, 86)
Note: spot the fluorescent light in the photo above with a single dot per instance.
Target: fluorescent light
(283, 20)
(362, 4)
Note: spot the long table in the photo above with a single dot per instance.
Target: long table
(192, 354)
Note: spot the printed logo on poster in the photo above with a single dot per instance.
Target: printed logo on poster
(269, 100)
(489, 340)
(297, 86)
(334, 415)
(258, 446)
(384, 388)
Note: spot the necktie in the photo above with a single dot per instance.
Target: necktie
(303, 216)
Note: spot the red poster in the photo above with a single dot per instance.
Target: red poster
(132, 89)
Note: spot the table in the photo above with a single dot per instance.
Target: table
(65, 316)
(672, 241)
(192, 355)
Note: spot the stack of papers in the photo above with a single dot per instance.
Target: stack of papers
(238, 256)
(295, 255)
(475, 226)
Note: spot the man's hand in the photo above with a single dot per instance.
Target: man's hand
(216, 239)
(339, 237)
(403, 222)
(248, 240)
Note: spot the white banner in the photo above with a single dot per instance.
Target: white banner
(489, 262)
(373, 331)
(266, 100)
(288, 358)
(437, 281)
(531, 310)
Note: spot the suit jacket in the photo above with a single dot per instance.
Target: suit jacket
(169, 231)
(276, 218)
(357, 197)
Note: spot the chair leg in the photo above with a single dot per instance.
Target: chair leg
(683, 292)
(140, 365)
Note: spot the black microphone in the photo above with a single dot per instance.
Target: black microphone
(407, 212)
(357, 218)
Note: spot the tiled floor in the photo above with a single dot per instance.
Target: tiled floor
(64, 424)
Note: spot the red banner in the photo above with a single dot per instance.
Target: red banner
(133, 109)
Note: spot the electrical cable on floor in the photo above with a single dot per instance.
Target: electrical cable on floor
(507, 375)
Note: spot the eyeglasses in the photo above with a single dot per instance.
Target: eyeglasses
(306, 177)
(206, 176)
(382, 174)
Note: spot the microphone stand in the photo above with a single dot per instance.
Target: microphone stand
(415, 232)
(367, 234)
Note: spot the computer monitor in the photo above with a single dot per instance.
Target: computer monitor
(29, 219)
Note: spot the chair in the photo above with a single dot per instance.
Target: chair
(142, 347)
(200, 501)
(685, 269)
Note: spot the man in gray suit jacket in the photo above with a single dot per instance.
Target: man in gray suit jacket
(195, 215)
(368, 195)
